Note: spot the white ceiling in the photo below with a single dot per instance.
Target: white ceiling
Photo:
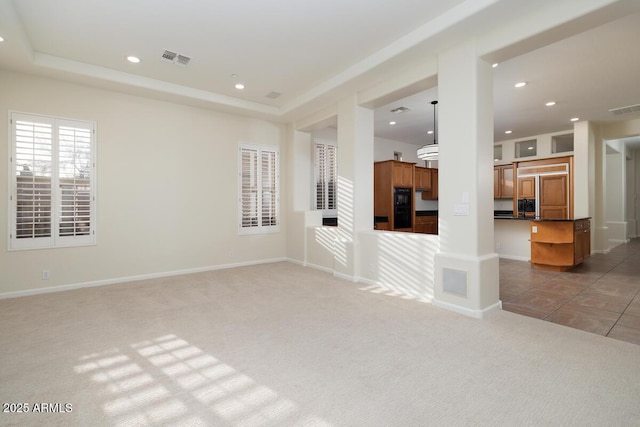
(313, 52)
(586, 74)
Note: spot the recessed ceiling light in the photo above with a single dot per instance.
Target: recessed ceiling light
(1, 39)
(521, 84)
(575, 119)
(392, 123)
(495, 65)
(495, 160)
(239, 86)
(508, 131)
(133, 59)
(530, 148)
(429, 132)
(550, 103)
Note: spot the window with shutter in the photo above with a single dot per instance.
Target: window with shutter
(259, 189)
(325, 177)
(52, 196)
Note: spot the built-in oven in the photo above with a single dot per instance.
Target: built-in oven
(402, 207)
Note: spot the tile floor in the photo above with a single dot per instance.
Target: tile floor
(601, 295)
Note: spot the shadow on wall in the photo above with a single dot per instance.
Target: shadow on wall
(399, 264)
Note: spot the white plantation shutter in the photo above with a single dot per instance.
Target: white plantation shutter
(325, 177)
(259, 189)
(74, 171)
(33, 166)
(52, 189)
(249, 191)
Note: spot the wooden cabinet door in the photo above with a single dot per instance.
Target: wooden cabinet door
(434, 187)
(496, 183)
(422, 178)
(527, 188)
(506, 182)
(582, 241)
(402, 174)
(554, 200)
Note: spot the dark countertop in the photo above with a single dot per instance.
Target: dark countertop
(380, 219)
(536, 218)
(559, 219)
(426, 213)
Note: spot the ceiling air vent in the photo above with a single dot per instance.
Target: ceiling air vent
(273, 95)
(626, 110)
(169, 56)
(400, 110)
(175, 58)
(182, 60)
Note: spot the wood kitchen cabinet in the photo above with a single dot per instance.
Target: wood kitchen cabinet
(422, 178)
(387, 176)
(432, 194)
(426, 224)
(503, 181)
(402, 174)
(560, 244)
(527, 188)
(554, 197)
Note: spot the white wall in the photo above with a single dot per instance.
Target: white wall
(630, 204)
(636, 194)
(615, 188)
(383, 149)
(167, 187)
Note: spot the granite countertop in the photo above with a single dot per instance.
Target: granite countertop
(559, 219)
(426, 213)
(510, 215)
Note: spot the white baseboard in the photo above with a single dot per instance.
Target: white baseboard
(113, 281)
(514, 257)
(477, 314)
(344, 276)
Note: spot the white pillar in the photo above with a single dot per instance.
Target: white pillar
(467, 269)
(583, 144)
(355, 183)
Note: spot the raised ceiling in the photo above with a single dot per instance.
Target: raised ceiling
(296, 57)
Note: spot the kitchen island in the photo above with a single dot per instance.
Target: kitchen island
(560, 244)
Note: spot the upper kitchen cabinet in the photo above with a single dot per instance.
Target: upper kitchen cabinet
(503, 181)
(402, 173)
(432, 194)
(422, 178)
(526, 187)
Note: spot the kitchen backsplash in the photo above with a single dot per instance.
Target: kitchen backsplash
(425, 205)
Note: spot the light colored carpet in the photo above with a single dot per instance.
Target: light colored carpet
(280, 345)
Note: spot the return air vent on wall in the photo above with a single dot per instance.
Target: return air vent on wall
(176, 58)
(626, 110)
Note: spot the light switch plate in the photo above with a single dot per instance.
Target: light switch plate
(534, 229)
(461, 209)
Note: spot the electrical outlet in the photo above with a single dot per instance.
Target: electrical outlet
(45, 274)
(232, 253)
(498, 245)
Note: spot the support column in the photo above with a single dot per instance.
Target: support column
(298, 190)
(355, 183)
(467, 269)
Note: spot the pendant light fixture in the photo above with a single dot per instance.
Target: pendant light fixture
(430, 151)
